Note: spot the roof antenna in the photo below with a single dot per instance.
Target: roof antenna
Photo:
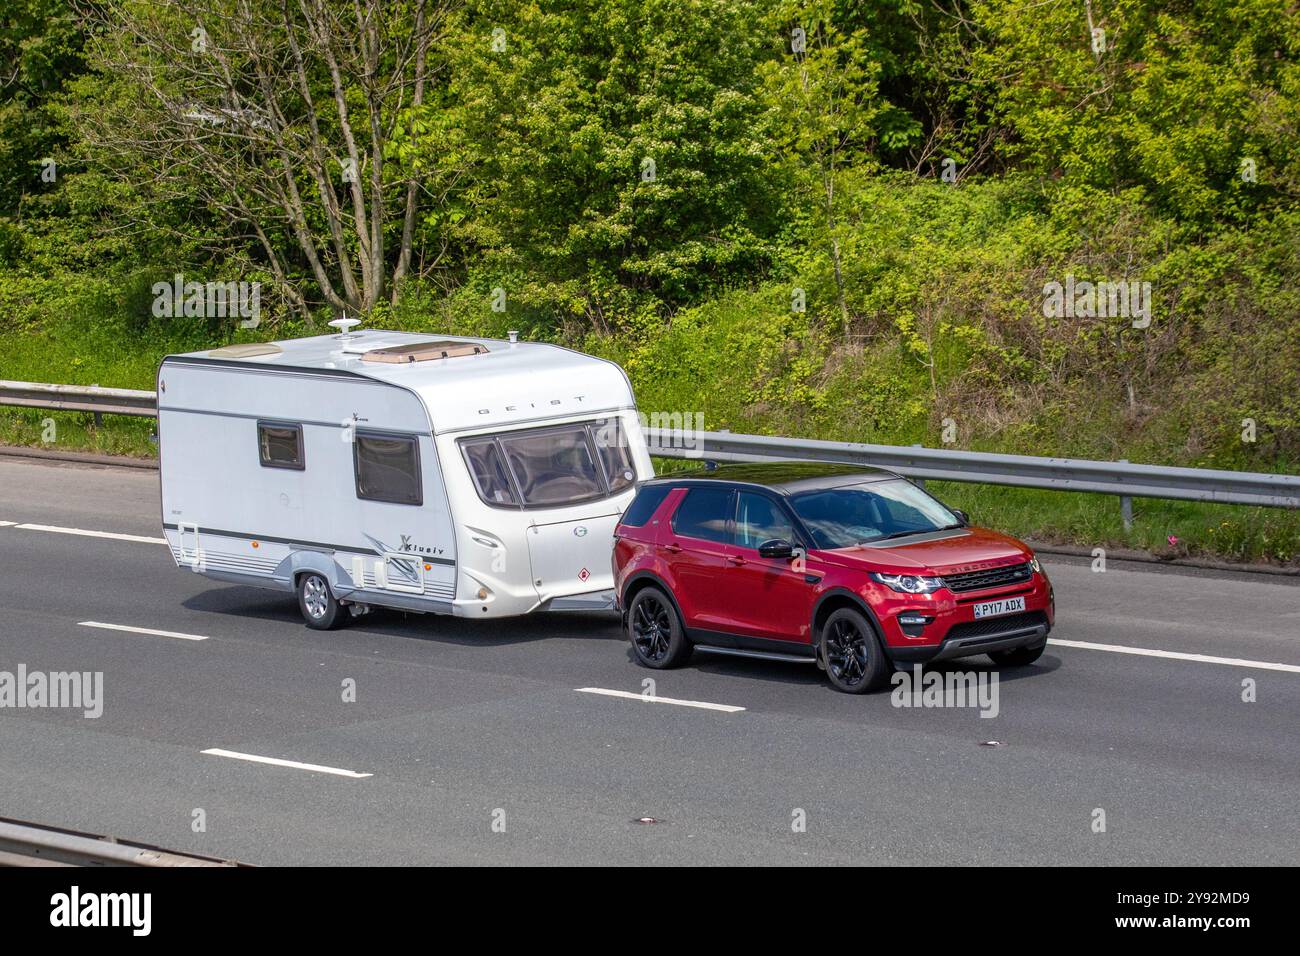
(344, 325)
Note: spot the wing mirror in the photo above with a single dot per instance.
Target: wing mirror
(776, 548)
(963, 517)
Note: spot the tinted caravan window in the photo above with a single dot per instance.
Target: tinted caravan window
(551, 466)
(487, 466)
(280, 446)
(615, 455)
(388, 468)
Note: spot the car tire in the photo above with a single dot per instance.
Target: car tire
(320, 609)
(655, 630)
(855, 661)
(1018, 656)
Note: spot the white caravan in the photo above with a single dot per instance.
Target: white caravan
(475, 477)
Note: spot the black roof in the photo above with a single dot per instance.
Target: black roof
(786, 477)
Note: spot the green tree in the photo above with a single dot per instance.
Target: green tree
(1195, 103)
(611, 160)
(277, 118)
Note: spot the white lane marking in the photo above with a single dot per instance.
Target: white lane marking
(704, 705)
(142, 630)
(6, 524)
(1177, 655)
(142, 539)
(277, 762)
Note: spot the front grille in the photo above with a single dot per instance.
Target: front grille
(997, 625)
(989, 578)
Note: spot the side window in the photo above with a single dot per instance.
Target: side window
(388, 468)
(488, 470)
(704, 513)
(280, 446)
(615, 456)
(646, 502)
(759, 519)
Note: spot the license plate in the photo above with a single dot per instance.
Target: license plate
(998, 608)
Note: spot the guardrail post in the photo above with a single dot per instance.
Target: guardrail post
(1126, 505)
(919, 482)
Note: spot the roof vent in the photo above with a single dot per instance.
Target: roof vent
(246, 350)
(422, 352)
(514, 336)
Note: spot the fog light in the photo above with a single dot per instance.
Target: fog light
(913, 623)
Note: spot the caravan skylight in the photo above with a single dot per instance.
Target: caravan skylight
(422, 352)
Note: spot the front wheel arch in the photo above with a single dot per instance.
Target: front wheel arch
(831, 602)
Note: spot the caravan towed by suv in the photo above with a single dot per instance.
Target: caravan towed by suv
(852, 568)
(474, 477)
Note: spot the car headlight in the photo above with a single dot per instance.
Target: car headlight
(1034, 565)
(908, 583)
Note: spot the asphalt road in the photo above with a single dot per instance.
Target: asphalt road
(463, 724)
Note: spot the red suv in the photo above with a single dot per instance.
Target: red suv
(848, 567)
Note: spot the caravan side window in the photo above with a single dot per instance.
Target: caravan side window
(280, 446)
(615, 454)
(388, 468)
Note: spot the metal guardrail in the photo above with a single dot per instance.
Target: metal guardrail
(1025, 471)
(29, 844)
(79, 398)
(1120, 478)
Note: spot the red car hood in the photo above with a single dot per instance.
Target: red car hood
(971, 549)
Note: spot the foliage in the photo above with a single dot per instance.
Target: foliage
(828, 218)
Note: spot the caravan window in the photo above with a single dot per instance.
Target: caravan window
(387, 468)
(488, 467)
(550, 467)
(280, 446)
(553, 466)
(615, 455)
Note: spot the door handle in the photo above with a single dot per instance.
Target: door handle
(672, 548)
(735, 559)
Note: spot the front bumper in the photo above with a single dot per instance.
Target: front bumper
(1018, 630)
(953, 630)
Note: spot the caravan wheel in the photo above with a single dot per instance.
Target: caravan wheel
(319, 607)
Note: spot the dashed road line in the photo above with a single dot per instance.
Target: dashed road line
(628, 695)
(292, 764)
(114, 535)
(142, 630)
(1177, 655)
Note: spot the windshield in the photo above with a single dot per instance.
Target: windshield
(874, 511)
(550, 467)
